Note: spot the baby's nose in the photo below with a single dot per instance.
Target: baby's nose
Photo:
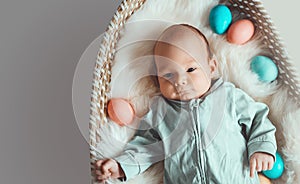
(180, 80)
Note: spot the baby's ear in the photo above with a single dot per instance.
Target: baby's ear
(213, 65)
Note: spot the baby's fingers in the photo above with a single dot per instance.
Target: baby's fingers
(265, 166)
(98, 163)
(99, 173)
(108, 166)
(259, 165)
(252, 167)
(101, 176)
(270, 165)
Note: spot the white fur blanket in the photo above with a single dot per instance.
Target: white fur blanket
(133, 63)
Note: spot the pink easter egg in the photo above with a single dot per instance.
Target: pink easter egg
(120, 111)
(240, 32)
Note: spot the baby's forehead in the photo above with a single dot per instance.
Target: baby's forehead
(182, 37)
(184, 40)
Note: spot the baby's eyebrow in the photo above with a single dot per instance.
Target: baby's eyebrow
(192, 62)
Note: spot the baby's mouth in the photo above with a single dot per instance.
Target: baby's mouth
(182, 92)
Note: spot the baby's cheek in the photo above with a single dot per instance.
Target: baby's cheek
(201, 89)
(167, 87)
(168, 90)
(164, 83)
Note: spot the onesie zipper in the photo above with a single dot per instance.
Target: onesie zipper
(203, 179)
(194, 106)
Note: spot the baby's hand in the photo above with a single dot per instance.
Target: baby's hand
(105, 169)
(260, 161)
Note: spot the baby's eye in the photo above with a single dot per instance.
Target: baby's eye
(168, 75)
(191, 69)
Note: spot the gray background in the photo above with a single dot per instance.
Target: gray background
(41, 44)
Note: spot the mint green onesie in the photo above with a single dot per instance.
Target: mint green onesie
(205, 140)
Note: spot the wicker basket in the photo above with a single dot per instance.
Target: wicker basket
(253, 9)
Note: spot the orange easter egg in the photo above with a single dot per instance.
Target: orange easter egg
(120, 111)
(263, 179)
(240, 32)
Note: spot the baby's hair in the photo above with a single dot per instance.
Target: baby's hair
(197, 31)
(210, 54)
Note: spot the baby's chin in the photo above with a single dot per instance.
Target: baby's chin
(188, 97)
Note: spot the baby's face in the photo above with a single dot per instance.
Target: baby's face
(181, 75)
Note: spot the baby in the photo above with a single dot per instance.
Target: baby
(205, 129)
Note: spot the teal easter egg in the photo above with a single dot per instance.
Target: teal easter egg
(277, 169)
(220, 19)
(265, 68)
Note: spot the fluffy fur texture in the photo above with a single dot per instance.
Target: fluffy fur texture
(133, 66)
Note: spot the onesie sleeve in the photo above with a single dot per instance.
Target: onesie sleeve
(144, 149)
(258, 129)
